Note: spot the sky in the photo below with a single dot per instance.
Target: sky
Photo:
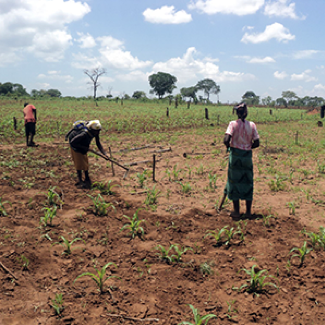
(264, 46)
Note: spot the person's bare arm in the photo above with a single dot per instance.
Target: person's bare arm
(256, 143)
(226, 140)
(99, 146)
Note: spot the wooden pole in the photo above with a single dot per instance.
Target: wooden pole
(112, 165)
(154, 168)
(218, 119)
(15, 124)
(188, 104)
(167, 112)
(270, 112)
(297, 137)
(206, 113)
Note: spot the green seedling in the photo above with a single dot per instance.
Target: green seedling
(198, 320)
(302, 253)
(176, 172)
(134, 225)
(205, 269)
(180, 250)
(212, 181)
(164, 253)
(292, 208)
(24, 261)
(53, 198)
(3, 211)
(99, 278)
(100, 206)
(142, 177)
(231, 310)
(152, 196)
(266, 219)
(186, 188)
(105, 188)
(217, 235)
(256, 283)
(57, 304)
(277, 184)
(67, 245)
(49, 215)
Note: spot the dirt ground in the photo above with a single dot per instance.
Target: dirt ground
(150, 289)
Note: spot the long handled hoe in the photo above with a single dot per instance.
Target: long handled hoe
(113, 161)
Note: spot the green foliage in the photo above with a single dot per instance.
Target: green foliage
(317, 239)
(98, 277)
(266, 219)
(67, 245)
(292, 208)
(49, 214)
(24, 262)
(179, 250)
(164, 253)
(100, 206)
(105, 188)
(208, 86)
(225, 234)
(212, 181)
(142, 177)
(198, 320)
(152, 196)
(57, 303)
(134, 225)
(302, 252)
(162, 83)
(53, 198)
(3, 211)
(277, 184)
(186, 188)
(256, 283)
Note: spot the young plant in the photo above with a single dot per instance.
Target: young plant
(179, 250)
(152, 196)
(231, 310)
(53, 198)
(98, 277)
(217, 235)
(57, 303)
(292, 208)
(49, 214)
(24, 262)
(134, 225)
(105, 188)
(186, 188)
(277, 184)
(142, 177)
(256, 283)
(198, 320)
(100, 206)
(212, 181)
(176, 172)
(205, 269)
(3, 211)
(302, 253)
(67, 245)
(164, 253)
(266, 219)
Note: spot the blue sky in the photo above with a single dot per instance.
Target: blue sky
(265, 46)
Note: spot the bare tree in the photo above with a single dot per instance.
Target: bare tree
(94, 75)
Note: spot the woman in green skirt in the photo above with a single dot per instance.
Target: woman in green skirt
(240, 138)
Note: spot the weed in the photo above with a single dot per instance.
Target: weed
(24, 262)
(205, 269)
(134, 225)
(198, 320)
(277, 184)
(142, 177)
(65, 243)
(152, 196)
(99, 278)
(212, 181)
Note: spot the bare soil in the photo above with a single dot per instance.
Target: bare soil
(150, 290)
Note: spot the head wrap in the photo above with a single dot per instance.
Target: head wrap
(94, 125)
(241, 110)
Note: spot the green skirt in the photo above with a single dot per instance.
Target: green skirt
(240, 175)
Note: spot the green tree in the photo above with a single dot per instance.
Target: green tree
(162, 83)
(288, 96)
(139, 94)
(250, 98)
(53, 93)
(209, 87)
(189, 92)
(6, 88)
(281, 102)
(267, 101)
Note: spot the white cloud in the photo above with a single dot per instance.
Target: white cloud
(281, 8)
(134, 76)
(166, 15)
(276, 31)
(305, 54)
(111, 54)
(40, 26)
(86, 41)
(280, 75)
(235, 7)
(267, 59)
(189, 69)
(55, 75)
(303, 76)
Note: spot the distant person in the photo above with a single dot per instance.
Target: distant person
(241, 137)
(30, 118)
(79, 140)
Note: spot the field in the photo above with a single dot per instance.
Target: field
(159, 233)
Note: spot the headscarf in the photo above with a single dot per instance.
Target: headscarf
(241, 110)
(94, 125)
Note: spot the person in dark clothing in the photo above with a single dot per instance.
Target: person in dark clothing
(79, 141)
